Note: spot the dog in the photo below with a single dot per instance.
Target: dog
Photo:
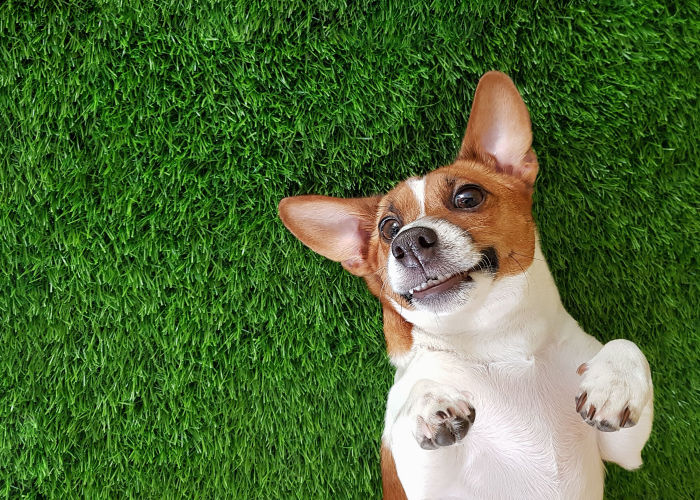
(498, 392)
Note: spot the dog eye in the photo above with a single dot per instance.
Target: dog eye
(469, 197)
(389, 227)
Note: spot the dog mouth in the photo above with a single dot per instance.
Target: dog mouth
(438, 284)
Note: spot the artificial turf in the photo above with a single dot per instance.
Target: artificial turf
(163, 335)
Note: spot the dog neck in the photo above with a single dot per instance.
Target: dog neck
(510, 320)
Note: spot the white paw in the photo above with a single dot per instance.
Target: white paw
(440, 415)
(615, 386)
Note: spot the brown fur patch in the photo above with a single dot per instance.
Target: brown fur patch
(391, 485)
(504, 220)
(397, 331)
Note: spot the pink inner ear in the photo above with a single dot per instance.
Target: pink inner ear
(495, 142)
(332, 227)
(329, 230)
(353, 241)
(350, 236)
(507, 138)
(499, 128)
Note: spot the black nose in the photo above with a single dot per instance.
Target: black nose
(414, 247)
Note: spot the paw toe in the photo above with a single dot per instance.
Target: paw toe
(428, 444)
(471, 416)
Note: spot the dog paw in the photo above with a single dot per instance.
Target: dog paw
(615, 386)
(441, 417)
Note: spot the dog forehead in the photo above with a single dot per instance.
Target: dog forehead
(406, 199)
(419, 196)
(450, 175)
(467, 172)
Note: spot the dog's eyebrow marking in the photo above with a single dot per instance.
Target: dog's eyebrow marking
(393, 209)
(418, 188)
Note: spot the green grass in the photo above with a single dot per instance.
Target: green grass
(164, 335)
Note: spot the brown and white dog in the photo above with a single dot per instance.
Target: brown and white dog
(498, 392)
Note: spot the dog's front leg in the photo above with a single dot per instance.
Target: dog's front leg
(425, 426)
(616, 396)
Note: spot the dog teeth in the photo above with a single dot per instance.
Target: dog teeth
(431, 282)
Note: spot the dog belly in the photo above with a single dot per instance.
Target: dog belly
(527, 441)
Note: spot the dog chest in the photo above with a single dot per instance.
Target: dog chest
(526, 434)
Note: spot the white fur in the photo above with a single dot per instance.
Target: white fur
(418, 188)
(514, 350)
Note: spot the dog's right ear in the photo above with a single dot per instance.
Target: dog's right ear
(499, 130)
(337, 228)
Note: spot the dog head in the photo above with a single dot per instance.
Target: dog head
(433, 243)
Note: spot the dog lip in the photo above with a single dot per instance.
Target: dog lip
(441, 285)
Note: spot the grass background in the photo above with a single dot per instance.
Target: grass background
(163, 335)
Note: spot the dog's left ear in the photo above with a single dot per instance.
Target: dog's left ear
(499, 132)
(337, 228)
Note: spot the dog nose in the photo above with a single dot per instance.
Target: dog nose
(414, 247)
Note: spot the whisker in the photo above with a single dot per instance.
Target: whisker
(472, 228)
(523, 270)
(526, 255)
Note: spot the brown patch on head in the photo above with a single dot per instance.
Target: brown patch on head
(400, 201)
(504, 219)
